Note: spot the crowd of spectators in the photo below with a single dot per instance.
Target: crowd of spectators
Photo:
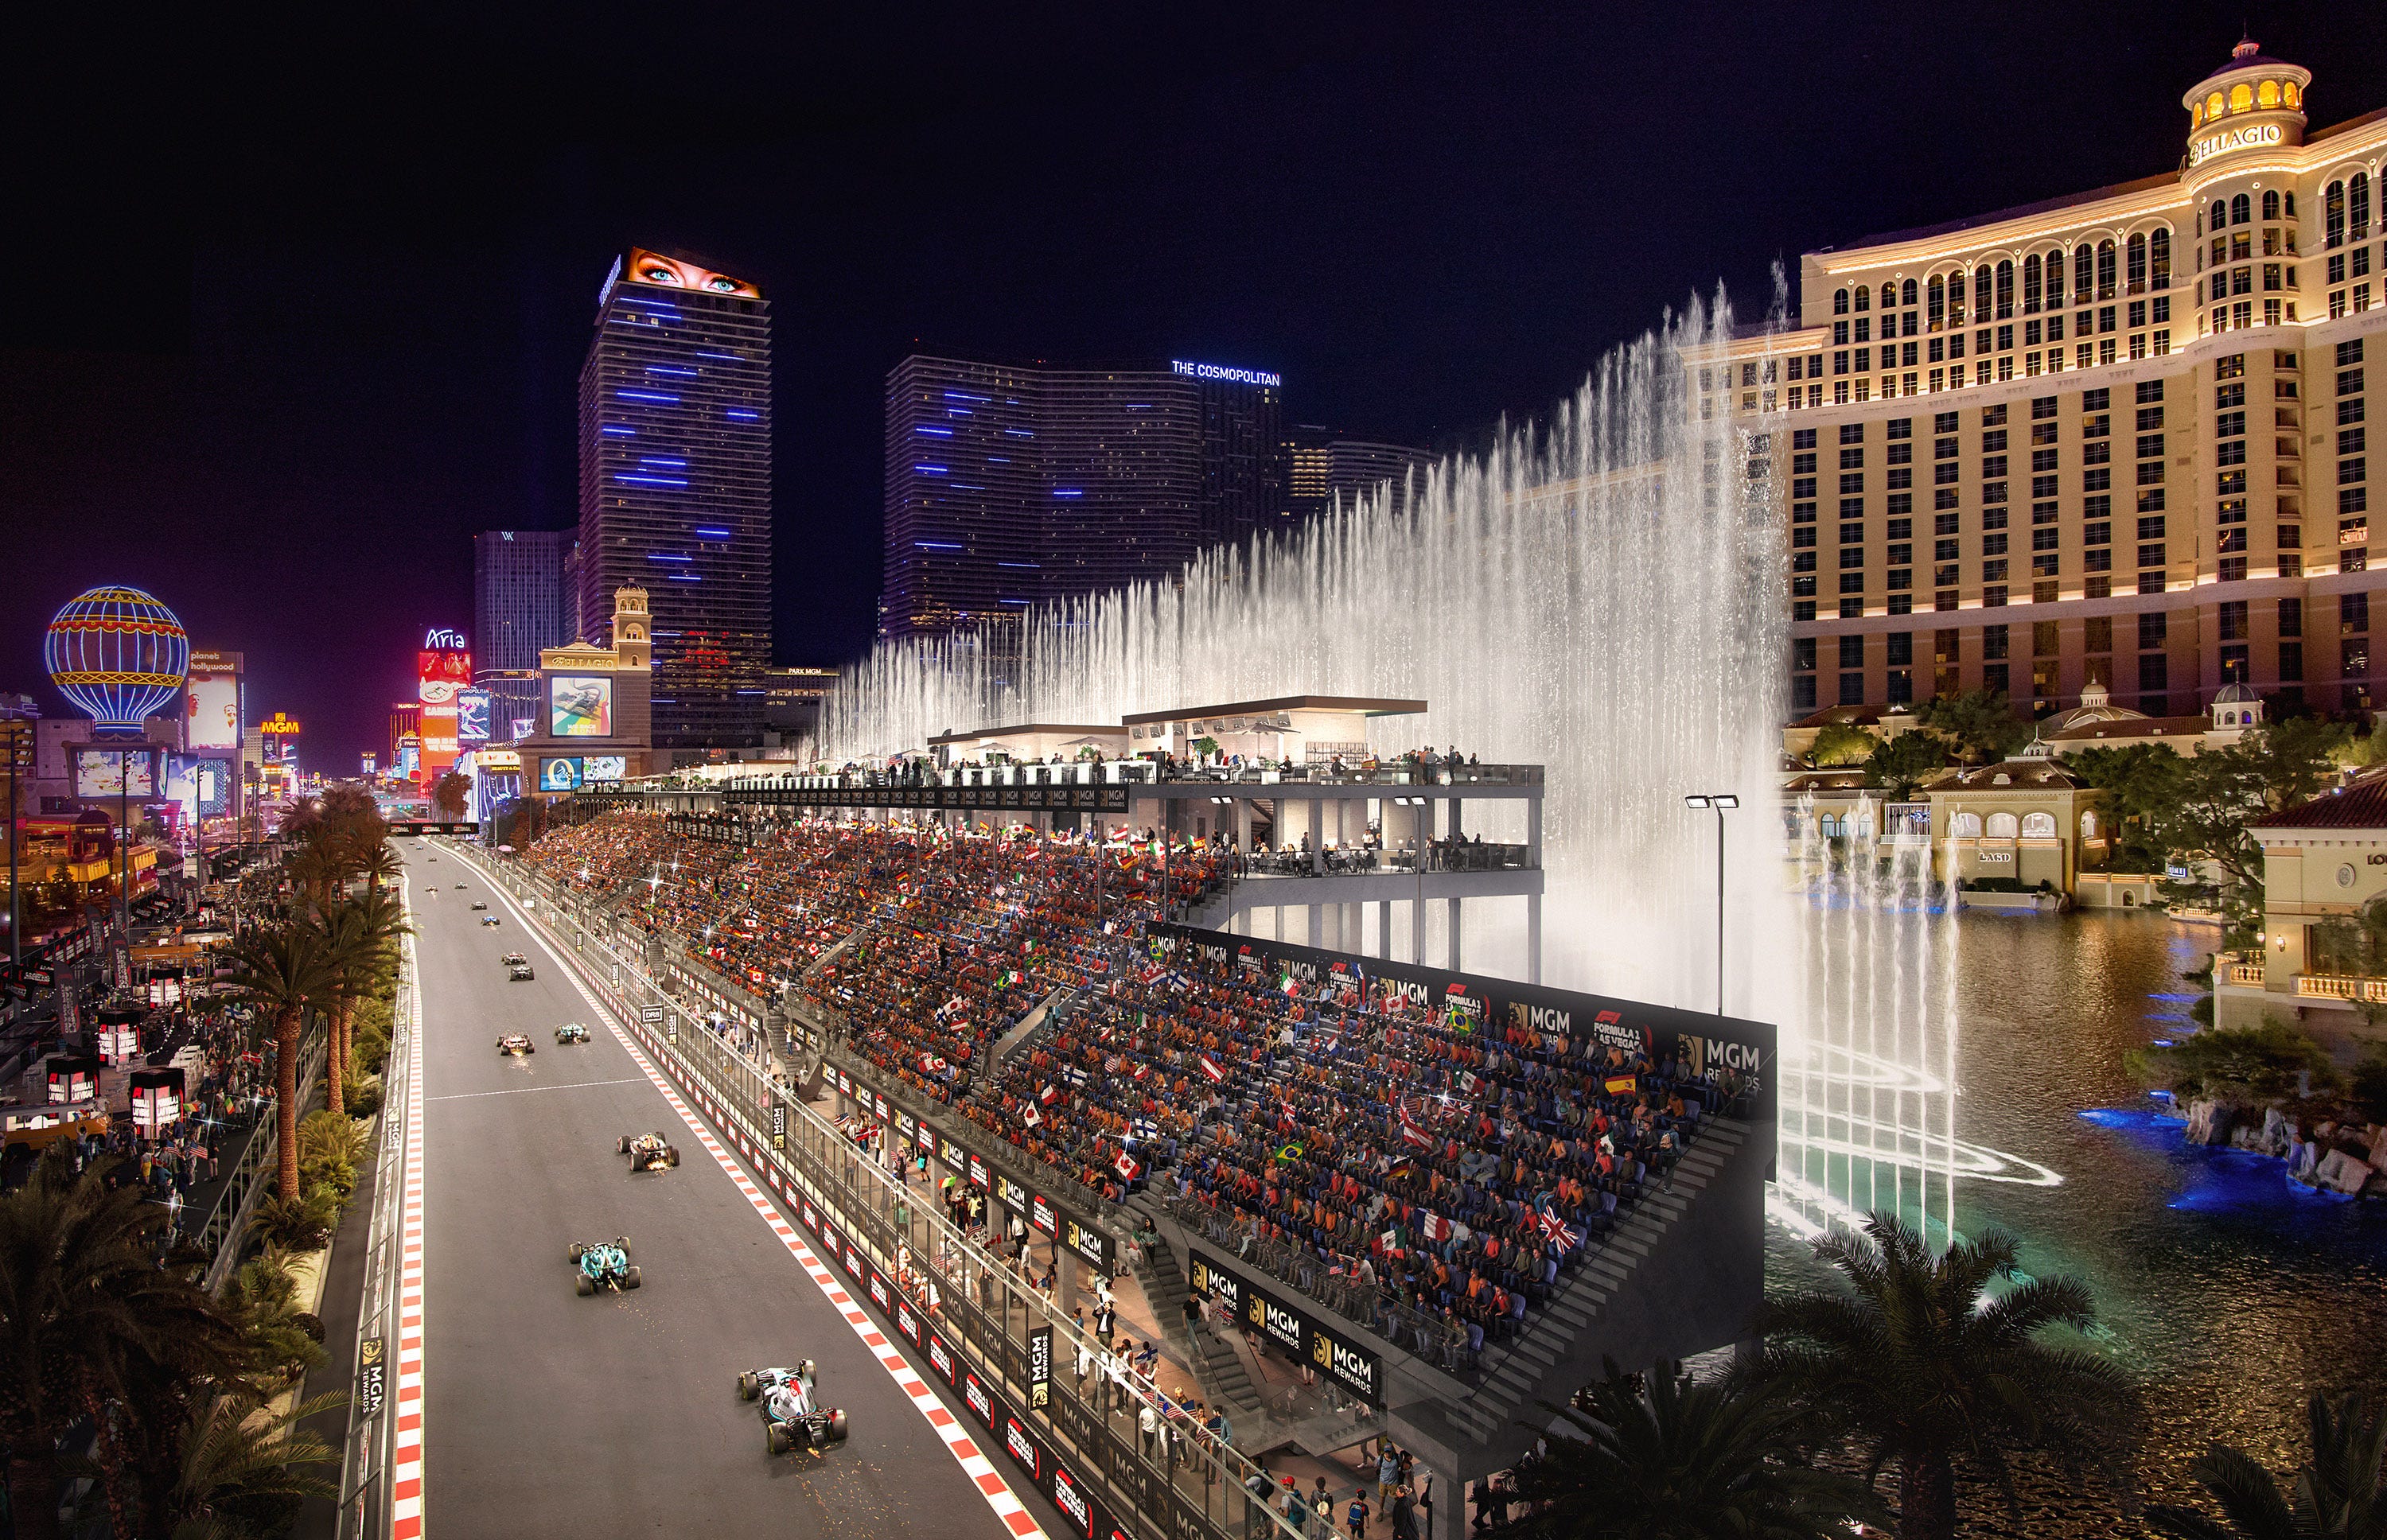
(1455, 1164)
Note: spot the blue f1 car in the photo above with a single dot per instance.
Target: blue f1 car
(792, 1414)
(604, 1265)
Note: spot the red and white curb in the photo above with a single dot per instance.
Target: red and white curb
(405, 1442)
(997, 1492)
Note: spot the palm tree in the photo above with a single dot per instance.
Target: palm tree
(369, 926)
(283, 970)
(1920, 1368)
(242, 1476)
(89, 1321)
(1677, 1458)
(352, 958)
(2337, 1493)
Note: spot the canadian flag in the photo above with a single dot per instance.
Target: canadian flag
(1211, 1067)
(1127, 1165)
(932, 1064)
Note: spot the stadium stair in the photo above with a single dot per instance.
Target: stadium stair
(1049, 1006)
(1224, 1382)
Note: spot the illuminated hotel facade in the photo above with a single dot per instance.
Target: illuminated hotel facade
(2118, 438)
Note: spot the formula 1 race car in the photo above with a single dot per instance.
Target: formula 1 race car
(649, 1152)
(604, 1265)
(512, 960)
(478, 905)
(520, 972)
(517, 1044)
(792, 1414)
(572, 1031)
(488, 919)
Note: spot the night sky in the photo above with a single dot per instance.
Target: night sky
(294, 313)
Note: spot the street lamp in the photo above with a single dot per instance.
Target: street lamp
(1721, 802)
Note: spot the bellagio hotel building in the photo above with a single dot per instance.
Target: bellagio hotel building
(2117, 438)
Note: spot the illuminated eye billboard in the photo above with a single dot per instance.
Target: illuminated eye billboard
(559, 774)
(579, 705)
(605, 767)
(471, 716)
(116, 772)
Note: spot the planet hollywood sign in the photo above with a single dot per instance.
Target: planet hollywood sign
(1468, 1004)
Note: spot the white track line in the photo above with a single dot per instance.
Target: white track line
(990, 1485)
(527, 1090)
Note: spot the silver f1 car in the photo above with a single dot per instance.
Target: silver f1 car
(572, 1031)
(604, 1265)
(649, 1152)
(516, 1044)
(792, 1414)
(520, 973)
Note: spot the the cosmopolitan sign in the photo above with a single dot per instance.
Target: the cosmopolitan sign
(2253, 136)
(1220, 371)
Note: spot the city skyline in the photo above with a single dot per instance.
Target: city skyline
(429, 419)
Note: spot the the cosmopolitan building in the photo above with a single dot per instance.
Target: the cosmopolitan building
(2117, 436)
(1323, 465)
(676, 487)
(1008, 485)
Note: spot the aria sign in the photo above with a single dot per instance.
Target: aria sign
(2253, 136)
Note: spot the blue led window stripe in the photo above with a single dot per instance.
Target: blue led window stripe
(964, 395)
(1018, 433)
(713, 534)
(935, 545)
(1067, 492)
(1032, 566)
(661, 460)
(931, 470)
(669, 368)
(619, 432)
(666, 556)
(654, 480)
(686, 577)
(647, 396)
(940, 433)
(742, 416)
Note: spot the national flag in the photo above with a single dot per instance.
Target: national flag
(1142, 1071)
(1412, 1133)
(1291, 1152)
(1618, 1085)
(1467, 1081)
(1127, 1165)
(1050, 1094)
(932, 1064)
(1433, 1226)
(1211, 1067)
(1033, 1118)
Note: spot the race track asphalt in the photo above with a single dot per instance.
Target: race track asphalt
(549, 1414)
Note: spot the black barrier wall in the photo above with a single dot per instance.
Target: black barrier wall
(1704, 1043)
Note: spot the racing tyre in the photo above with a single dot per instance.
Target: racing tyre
(837, 1426)
(624, 1147)
(585, 1284)
(671, 1154)
(576, 1251)
(630, 1277)
(747, 1387)
(775, 1438)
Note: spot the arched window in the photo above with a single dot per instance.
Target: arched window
(2213, 105)
(2030, 284)
(2134, 265)
(1864, 299)
(1935, 302)
(2333, 214)
(2159, 259)
(2083, 274)
(2267, 93)
(1906, 292)
(2002, 825)
(2039, 825)
(2357, 205)
(1964, 826)
(2291, 93)
(1831, 825)
(2005, 290)
(1839, 301)
(2271, 205)
(2088, 825)
(2242, 97)
(2104, 270)
(2240, 209)
(1981, 292)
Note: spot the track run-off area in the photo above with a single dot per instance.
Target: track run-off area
(545, 1413)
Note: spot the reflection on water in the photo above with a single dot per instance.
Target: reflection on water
(2231, 1294)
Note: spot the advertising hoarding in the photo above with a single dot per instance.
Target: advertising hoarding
(438, 734)
(604, 768)
(471, 716)
(202, 784)
(579, 705)
(410, 761)
(212, 705)
(116, 772)
(442, 668)
(559, 774)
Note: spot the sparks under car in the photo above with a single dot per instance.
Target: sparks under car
(792, 1414)
(516, 1045)
(649, 1152)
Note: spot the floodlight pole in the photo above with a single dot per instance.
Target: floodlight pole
(1720, 803)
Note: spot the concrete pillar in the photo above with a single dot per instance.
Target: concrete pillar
(1311, 910)
(1454, 934)
(1317, 852)
(1064, 1268)
(1532, 937)
(1384, 948)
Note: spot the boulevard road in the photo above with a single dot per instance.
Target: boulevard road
(549, 1414)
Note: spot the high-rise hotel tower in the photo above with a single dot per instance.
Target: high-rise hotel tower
(675, 486)
(2118, 437)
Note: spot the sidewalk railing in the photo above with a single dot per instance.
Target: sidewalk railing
(222, 1235)
(1178, 1486)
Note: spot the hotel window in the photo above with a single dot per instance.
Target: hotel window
(2357, 205)
(2154, 673)
(2292, 617)
(1851, 689)
(2159, 259)
(2006, 302)
(2353, 614)
(2030, 288)
(1865, 299)
(1993, 545)
(2100, 533)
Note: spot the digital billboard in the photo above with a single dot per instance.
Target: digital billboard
(471, 716)
(559, 774)
(523, 726)
(116, 772)
(438, 735)
(212, 703)
(203, 785)
(605, 767)
(579, 705)
(443, 667)
(647, 267)
(410, 761)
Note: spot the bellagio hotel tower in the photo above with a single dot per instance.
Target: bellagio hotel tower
(2117, 438)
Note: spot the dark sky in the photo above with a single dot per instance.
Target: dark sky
(295, 312)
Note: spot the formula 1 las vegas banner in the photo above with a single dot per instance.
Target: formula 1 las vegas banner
(1473, 1002)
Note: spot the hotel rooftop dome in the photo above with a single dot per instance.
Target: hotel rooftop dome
(2254, 99)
